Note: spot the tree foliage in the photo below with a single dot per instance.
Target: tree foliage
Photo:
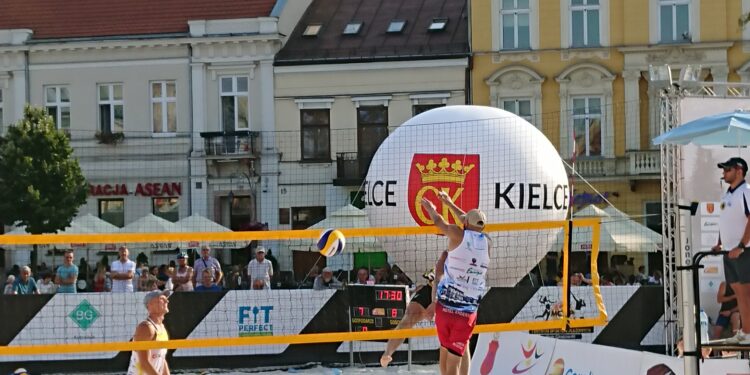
(41, 184)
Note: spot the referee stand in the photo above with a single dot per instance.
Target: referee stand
(692, 334)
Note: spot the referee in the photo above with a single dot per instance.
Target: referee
(734, 235)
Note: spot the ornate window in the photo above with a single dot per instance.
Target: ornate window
(586, 117)
(517, 89)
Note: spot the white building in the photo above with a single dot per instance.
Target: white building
(169, 112)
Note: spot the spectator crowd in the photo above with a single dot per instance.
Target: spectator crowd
(207, 274)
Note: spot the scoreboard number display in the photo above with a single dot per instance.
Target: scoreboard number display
(377, 307)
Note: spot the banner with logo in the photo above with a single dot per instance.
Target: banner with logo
(656, 364)
(243, 313)
(576, 358)
(705, 234)
(81, 318)
(720, 366)
(512, 353)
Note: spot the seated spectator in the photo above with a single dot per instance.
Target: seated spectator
(144, 278)
(641, 276)
(46, 286)
(164, 277)
(234, 280)
(364, 277)
(207, 282)
(150, 285)
(655, 279)
(9, 284)
(383, 275)
(100, 278)
(326, 280)
(25, 284)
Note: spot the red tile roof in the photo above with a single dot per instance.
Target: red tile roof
(95, 18)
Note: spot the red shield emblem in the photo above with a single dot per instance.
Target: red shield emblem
(710, 208)
(455, 174)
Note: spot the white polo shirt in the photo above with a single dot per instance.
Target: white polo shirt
(120, 286)
(735, 210)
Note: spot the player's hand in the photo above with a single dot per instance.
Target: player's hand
(444, 197)
(426, 203)
(735, 253)
(716, 248)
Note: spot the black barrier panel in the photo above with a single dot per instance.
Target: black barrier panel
(187, 309)
(634, 320)
(16, 312)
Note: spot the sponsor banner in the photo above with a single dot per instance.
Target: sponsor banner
(710, 224)
(655, 364)
(705, 234)
(416, 343)
(81, 318)
(513, 353)
(574, 358)
(244, 313)
(544, 304)
(720, 366)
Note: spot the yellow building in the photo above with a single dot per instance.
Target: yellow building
(578, 70)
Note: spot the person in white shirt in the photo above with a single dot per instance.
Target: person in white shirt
(46, 286)
(734, 237)
(122, 272)
(260, 270)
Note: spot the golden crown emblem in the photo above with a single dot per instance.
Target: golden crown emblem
(444, 171)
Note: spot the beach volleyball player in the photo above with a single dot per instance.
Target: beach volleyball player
(152, 361)
(462, 284)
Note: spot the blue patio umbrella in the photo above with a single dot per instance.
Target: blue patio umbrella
(725, 129)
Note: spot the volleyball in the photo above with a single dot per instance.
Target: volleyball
(331, 242)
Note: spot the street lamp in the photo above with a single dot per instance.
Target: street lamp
(660, 75)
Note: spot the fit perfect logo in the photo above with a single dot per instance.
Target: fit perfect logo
(254, 321)
(531, 355)
(456, 175)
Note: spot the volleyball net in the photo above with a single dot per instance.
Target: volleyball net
(240, 321)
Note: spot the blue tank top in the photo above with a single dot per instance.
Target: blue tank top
(463, 282)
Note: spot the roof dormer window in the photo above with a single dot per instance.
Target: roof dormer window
(438, 24)
(352, 28)
(396, 26)
(312, 30)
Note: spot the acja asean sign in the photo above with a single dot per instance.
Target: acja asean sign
(148, 189)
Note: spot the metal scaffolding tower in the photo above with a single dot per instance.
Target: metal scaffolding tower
(676, 252)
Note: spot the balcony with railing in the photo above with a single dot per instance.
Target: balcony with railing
(644, 163)
(242, 144)
(349, 169)
(633, 166)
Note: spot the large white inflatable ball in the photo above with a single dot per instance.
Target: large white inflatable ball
(484, 158)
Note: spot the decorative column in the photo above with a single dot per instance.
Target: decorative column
(632, 110)
(720, 74)
(268, 191)
(199, 191)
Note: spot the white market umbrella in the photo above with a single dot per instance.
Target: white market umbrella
(619, 233)
(345, 217)
(348, 217)
(723, 129)
(152, 224)
(198, 223)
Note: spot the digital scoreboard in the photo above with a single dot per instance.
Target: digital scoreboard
(377, 307)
